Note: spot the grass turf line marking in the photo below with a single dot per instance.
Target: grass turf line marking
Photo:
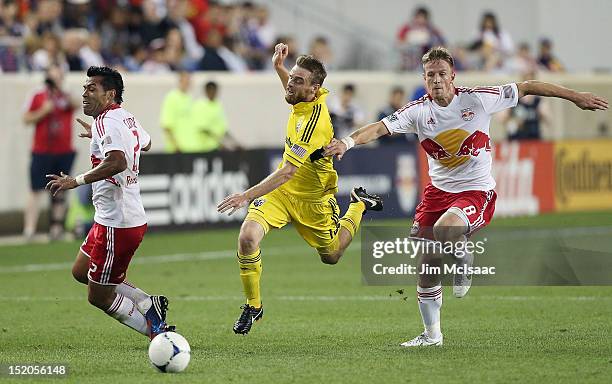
(161, 259)
(316, 298)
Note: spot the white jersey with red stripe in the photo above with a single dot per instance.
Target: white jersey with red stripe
(456, 137)
(117, 199)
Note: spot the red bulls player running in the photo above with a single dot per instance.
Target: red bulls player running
(120, 221)
(452, 124)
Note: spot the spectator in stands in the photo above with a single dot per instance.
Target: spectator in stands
(257, 34)
(75, 14)
(51, 111)
(345, 114)
(156, 62)
(210, 17)
(10, 27)
(48, 54)
(177, 15)
(153, 26)
(491, 34)
(9, 24)
(397, 99)
(493, 44)
(72, 41)
(524, 121)
(175, 51)
(547, 59)
(212, 60)
(116, 35)
(91, 51)
(522, 62)
(415, 38)
(176, 116)
(134, 61)
(321, 50)
(48, 16)
(209, 118)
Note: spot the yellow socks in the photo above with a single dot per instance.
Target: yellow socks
(352, 217)
(250, 272)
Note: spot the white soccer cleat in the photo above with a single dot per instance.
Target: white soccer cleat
(463, 281)
(423, 340)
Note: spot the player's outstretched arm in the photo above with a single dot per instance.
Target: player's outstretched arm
(267, 185)
(278, 60)
(363, 135)
(113, 163)
(583, 100)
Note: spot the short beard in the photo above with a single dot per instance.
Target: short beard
(293, 100)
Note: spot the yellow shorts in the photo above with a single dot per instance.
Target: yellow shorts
(317, 222)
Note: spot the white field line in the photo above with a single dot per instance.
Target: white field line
(318, 298)
(223, 254)
(161, 259)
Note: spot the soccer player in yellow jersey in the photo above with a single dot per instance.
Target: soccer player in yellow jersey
(301, 190)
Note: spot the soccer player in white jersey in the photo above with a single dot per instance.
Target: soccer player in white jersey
(452, 125)
(117, 140)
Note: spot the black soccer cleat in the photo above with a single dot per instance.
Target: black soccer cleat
(160, 305)
(372, 202)
(156, 316)
(249, 315)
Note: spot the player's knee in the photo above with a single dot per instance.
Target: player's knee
(443, 232)
(100, 301)
(79, 274)
(247, 242)
(330, 258)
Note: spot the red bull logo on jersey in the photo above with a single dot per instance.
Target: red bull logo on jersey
(456, 146)
(467, 114)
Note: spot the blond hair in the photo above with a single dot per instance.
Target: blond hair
(438, 53)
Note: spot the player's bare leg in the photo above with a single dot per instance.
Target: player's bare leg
(143, 300)
(361, 202)
(31, 213)
(329, 255)
(249, 260)
(117, 306)
(57, 216)
(452, 227)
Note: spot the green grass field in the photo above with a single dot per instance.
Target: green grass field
(321, 324)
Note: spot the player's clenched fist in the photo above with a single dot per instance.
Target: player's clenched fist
(335, 148)
(234, 202)
(280, 54)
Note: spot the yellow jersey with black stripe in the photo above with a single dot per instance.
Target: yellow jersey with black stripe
(310, 129)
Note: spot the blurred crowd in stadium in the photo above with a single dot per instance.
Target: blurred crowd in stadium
(156, 36)
(162, 36)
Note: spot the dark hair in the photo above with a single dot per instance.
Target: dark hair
(211, 85)
(349, 88)
(111, 79)
(397, 89)
(315, 66)
(489, 15)
(422, 11)
(438, 53)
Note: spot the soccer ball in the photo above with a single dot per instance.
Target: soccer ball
(169, 352)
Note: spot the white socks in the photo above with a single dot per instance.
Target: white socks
(430, 302)
(125, 311)
(137, 295)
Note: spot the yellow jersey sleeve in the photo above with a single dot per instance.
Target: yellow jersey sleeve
(300, 145)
